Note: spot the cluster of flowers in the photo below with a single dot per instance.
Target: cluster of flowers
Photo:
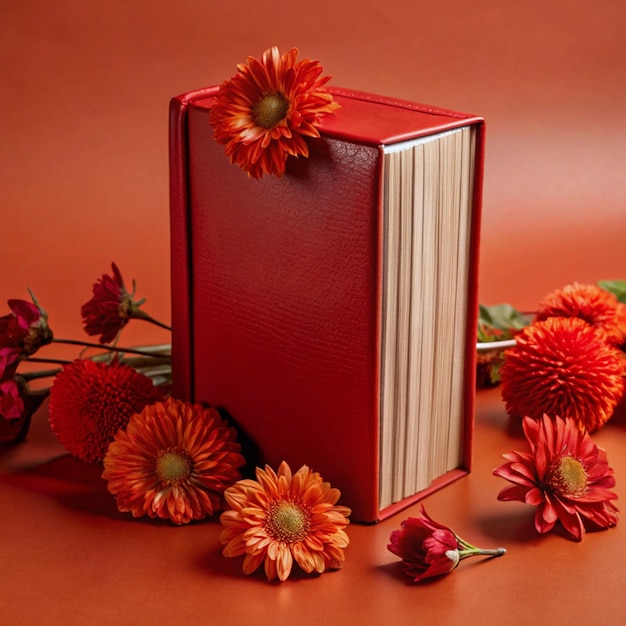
(570, 360)
(22, 332)
(163, 457)
(169, 459)
(564, 377)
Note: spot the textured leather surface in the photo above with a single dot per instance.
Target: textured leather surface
(284, 292)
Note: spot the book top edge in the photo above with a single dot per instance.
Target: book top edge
(365, 117)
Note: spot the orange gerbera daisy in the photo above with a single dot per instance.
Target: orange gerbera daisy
(264, 112)
(173, 461)
(90, 401)
(281, 517)
(595, 305)
(563, 366)
(565, 475)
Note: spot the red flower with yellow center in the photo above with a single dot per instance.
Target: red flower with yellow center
(591, 303)
(565, 475)
(563, 366)
(281, 518)
(264, 112)
(90, 401)
(173, 461)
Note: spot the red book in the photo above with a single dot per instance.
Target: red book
(332, 313)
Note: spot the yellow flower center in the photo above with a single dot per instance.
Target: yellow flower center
(287, 521)
(270, 110)
(568, 477)
(173, 466)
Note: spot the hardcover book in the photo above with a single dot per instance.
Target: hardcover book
(332, 312)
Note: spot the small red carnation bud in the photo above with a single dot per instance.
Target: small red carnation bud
(25, 329)
(111, 307)
(428, 548)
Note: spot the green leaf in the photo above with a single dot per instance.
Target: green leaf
(616, 287)
(500, 321)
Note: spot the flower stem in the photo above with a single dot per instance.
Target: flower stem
(34, 359)
(480, 552)
(39, 374)
(142, 315)
(100, 346)
(469, 550)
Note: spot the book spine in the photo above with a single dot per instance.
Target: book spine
(182, 340)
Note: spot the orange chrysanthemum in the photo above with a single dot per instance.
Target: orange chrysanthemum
(90, 401)
(563, 366)
(173, 461)
(565, 475)
(279, 518)
(264, 112)
(595, 305)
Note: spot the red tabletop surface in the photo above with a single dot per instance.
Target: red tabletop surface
(69, 557)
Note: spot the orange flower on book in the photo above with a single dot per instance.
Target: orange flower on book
(264, 112)
(429, 549)
(173, 461)
(90, 401)
(565, 475)
(563, 366)
(595, 305)
(283, 517)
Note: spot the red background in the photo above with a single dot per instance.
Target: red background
(83, 119)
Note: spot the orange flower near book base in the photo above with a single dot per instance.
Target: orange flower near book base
(429, 549)
(90, 401)
(173, 461)
(563, 366)
(565, 475)
(264, 112)
(281, 518)
(591, 303)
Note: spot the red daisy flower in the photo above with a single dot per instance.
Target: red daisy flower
(428, 548)
(264, 112)
(111, 307)
(281, 518)
(173, 461)
(563, 366)
(565, 475)
(90, 401)
(598, 307)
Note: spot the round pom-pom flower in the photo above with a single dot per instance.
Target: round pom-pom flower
(264, 112)
(591, 303)
(90, 401)
(283, 517)
(565, 475)
(173, 461)
(563, 366)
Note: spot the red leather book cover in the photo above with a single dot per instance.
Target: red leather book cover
(277, 285)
